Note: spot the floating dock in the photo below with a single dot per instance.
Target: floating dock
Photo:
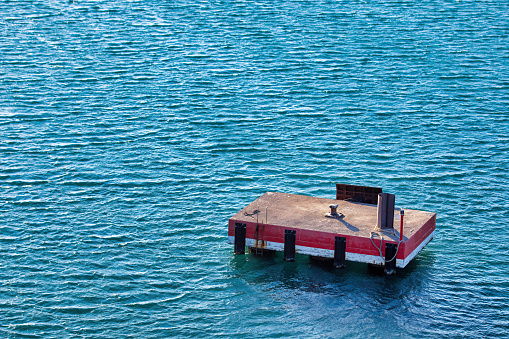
(359, 225)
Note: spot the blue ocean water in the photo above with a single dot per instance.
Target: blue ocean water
(130, 131)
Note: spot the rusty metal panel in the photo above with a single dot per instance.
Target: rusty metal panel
(365, 194)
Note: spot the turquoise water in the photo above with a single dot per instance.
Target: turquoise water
(130, 132)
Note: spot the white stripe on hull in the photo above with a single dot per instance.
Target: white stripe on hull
(418, 249)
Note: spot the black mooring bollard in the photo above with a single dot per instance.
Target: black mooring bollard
(240, 238)
(339, 252)
(289, 252)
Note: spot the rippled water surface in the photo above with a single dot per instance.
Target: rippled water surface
(130, 131)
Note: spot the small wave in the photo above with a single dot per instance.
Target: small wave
(8, 238)
(84, 183)
(118, 237)
(73, 309)
(150, 303)
(34, 326)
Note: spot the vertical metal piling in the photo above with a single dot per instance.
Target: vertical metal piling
(240, 238)
(339, 252)
(289, 251)
(390, 253)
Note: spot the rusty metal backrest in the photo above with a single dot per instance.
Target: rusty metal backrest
(365, 194)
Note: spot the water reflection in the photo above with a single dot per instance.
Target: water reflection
(337, 300)
(365, 285)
